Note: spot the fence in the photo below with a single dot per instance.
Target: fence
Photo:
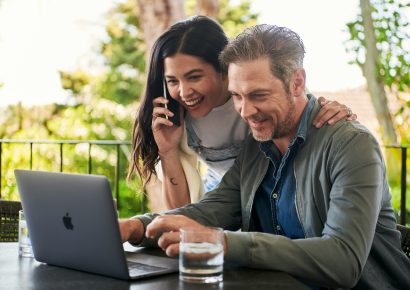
(118, 144)
(61, 144)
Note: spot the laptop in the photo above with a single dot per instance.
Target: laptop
(73, 223)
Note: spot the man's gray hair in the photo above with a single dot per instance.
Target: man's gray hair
(281, 45)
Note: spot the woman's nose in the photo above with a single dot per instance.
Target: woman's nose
(185, 90)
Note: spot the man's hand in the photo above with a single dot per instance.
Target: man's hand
(167, 228)
(132, 230)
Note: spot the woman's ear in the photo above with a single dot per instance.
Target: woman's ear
(298, 83)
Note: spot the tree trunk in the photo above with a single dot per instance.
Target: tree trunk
(207, 7)
(375, 84)
(155, 16)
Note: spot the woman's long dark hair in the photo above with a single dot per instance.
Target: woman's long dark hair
(198, 36)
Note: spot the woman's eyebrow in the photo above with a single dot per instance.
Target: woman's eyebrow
(196, 70)
(187, 74)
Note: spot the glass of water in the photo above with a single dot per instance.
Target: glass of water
(201, 255)
(25, 249)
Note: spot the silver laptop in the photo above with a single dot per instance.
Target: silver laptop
(73, 223)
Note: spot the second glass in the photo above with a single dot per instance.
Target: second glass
(25, 249)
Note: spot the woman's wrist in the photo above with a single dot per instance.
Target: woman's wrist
(171, 155)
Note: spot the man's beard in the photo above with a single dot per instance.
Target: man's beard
(283, 128)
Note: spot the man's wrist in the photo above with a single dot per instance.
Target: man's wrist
(136, 229)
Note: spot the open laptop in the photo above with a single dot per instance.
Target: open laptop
(73, 223)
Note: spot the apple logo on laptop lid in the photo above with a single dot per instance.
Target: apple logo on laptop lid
(67, 222)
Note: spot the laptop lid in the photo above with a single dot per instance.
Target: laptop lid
(73, 223)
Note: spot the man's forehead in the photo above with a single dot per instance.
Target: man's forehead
(247, 74)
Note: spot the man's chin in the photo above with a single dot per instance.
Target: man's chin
(261, 137)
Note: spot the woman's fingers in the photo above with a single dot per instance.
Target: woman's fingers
(158, 116)
(332, 112)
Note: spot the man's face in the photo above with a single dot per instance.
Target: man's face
(261, 99)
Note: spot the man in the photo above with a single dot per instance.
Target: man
(311, 202)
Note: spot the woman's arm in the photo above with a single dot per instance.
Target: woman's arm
(168, 136)
(174, 184)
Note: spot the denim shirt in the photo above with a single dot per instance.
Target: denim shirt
(274, 209)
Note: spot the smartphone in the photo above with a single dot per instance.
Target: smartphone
(173, 106)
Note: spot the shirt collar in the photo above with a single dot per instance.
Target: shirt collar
(303, 124)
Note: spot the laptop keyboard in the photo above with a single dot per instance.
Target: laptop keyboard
(135, 268)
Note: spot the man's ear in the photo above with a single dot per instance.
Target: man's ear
(298, 83)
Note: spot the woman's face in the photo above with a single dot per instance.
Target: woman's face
(195, 84)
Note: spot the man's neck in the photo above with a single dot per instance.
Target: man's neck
(283, 142)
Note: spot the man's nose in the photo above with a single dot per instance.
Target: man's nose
(247, 109)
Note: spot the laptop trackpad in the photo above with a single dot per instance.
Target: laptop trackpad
(156, 262)
(136, 269)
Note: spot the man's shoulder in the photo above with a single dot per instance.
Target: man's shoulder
(343, 130)
(345, 137)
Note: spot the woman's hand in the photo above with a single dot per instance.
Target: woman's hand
(332, 112)
(166, 134)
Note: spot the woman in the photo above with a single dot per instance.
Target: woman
(186, 58)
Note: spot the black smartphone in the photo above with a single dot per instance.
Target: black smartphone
(173, 106)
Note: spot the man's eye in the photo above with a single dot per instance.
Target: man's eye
(257, 96)
(236, 96)
(195, 77)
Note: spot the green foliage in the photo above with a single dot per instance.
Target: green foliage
(393, 43)
(235, 19)
(94, 121)
(391, 26)
(124, 53)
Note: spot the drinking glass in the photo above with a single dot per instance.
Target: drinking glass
(201, 255)
(25, 249)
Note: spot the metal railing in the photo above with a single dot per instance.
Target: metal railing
(61, 143)
(403, 181)
(118, 144)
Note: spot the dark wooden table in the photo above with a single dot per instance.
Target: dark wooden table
(26, 273)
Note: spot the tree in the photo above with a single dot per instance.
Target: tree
(377, 40)
(207, 7)
(157, 15)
